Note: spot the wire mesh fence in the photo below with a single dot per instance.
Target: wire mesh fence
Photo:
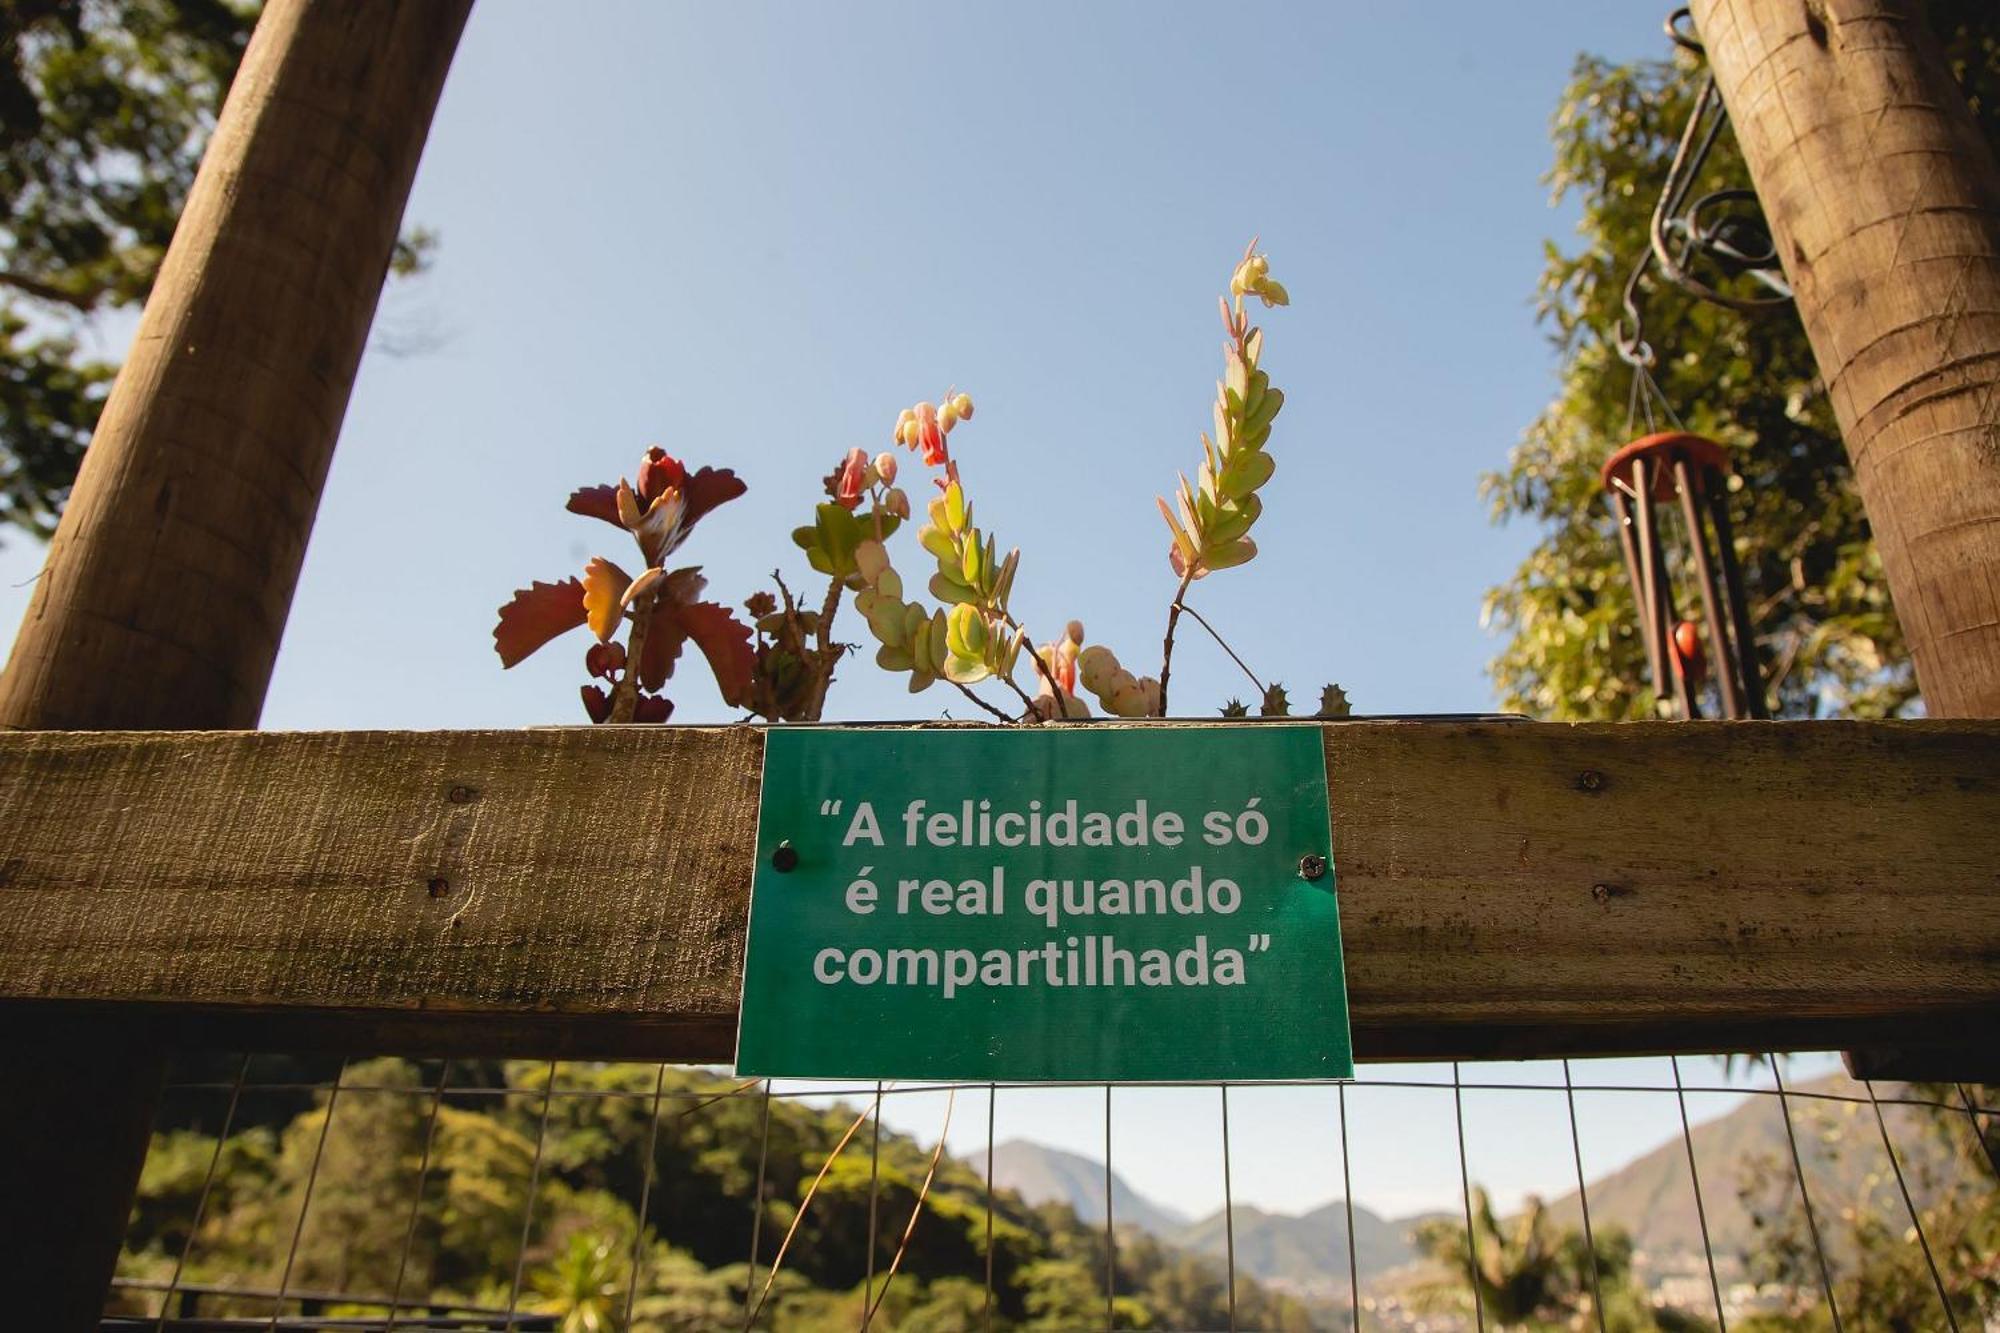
(292, 1193)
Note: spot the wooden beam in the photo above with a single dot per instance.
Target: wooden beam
(1506, 889)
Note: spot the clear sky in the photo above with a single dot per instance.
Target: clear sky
(751, 233)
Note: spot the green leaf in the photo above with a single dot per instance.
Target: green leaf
(965, 670)
(839, 533)
(1235, 553)
(949, 590)
(1266, 411)
(1248, 469)
(938, 542)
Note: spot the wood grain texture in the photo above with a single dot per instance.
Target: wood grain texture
(1506, 889)
(1884, 202)
(169, 579)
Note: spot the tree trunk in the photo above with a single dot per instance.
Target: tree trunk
(170, 577)
(1884, 201)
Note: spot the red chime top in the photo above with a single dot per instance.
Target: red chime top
(1660, 452)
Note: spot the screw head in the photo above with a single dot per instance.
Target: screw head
(1590, 780)
(785, 858)
(1312, 866)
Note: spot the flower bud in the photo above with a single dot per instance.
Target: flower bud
(1075, 630)
(658, 472)
(962, 405)
(948, 415)
(852, 481)
(885, 467)
(897, 503)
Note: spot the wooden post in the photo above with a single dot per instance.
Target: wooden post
(168, 583)
(1884, 202)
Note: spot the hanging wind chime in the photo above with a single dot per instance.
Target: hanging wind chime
(1670, 486)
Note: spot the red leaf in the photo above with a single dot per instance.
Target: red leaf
(665, 635)
(708, 488)
(725, 642)
(596, 502)
(664, 638)
(537, 614)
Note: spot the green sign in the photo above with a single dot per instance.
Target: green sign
(1090, 903)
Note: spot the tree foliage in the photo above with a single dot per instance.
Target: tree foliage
(390, 1199)
(1826, 632)
(105, 107)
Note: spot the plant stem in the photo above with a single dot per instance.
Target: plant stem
(1167, 649)
(1035, 654)
(1203, 622)
(1019, 693)
(966, 690)
(828, 653)
(625, 694)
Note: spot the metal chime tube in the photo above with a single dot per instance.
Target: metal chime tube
(1649, 571)
(1739, 605)
(1663, 611)
(1622, 509)
(1711, 601)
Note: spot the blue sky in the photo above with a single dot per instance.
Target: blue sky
(751, 233)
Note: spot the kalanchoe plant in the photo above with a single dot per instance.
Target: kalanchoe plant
(795, 651)
(977, 638)
(969, 638)
(661, 610)
(1211, 522)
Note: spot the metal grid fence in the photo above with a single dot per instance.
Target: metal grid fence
(170, 1279)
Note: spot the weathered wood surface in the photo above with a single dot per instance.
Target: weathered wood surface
(1884, 201)
(1506, 889)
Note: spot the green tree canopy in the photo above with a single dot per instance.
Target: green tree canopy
(1826, 632)
(105, 107)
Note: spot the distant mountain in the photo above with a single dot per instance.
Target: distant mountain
(1040, 1174)
(1651, 1198)
(1839, 1144)
(1303, 1251)
(1299, 1252)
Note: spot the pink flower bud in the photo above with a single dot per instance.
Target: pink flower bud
(853, 479)
(885, 467)
(897, 503)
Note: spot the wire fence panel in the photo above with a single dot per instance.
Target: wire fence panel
(1674, 1194)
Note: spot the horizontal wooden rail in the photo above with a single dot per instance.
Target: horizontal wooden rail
(1506, 889)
